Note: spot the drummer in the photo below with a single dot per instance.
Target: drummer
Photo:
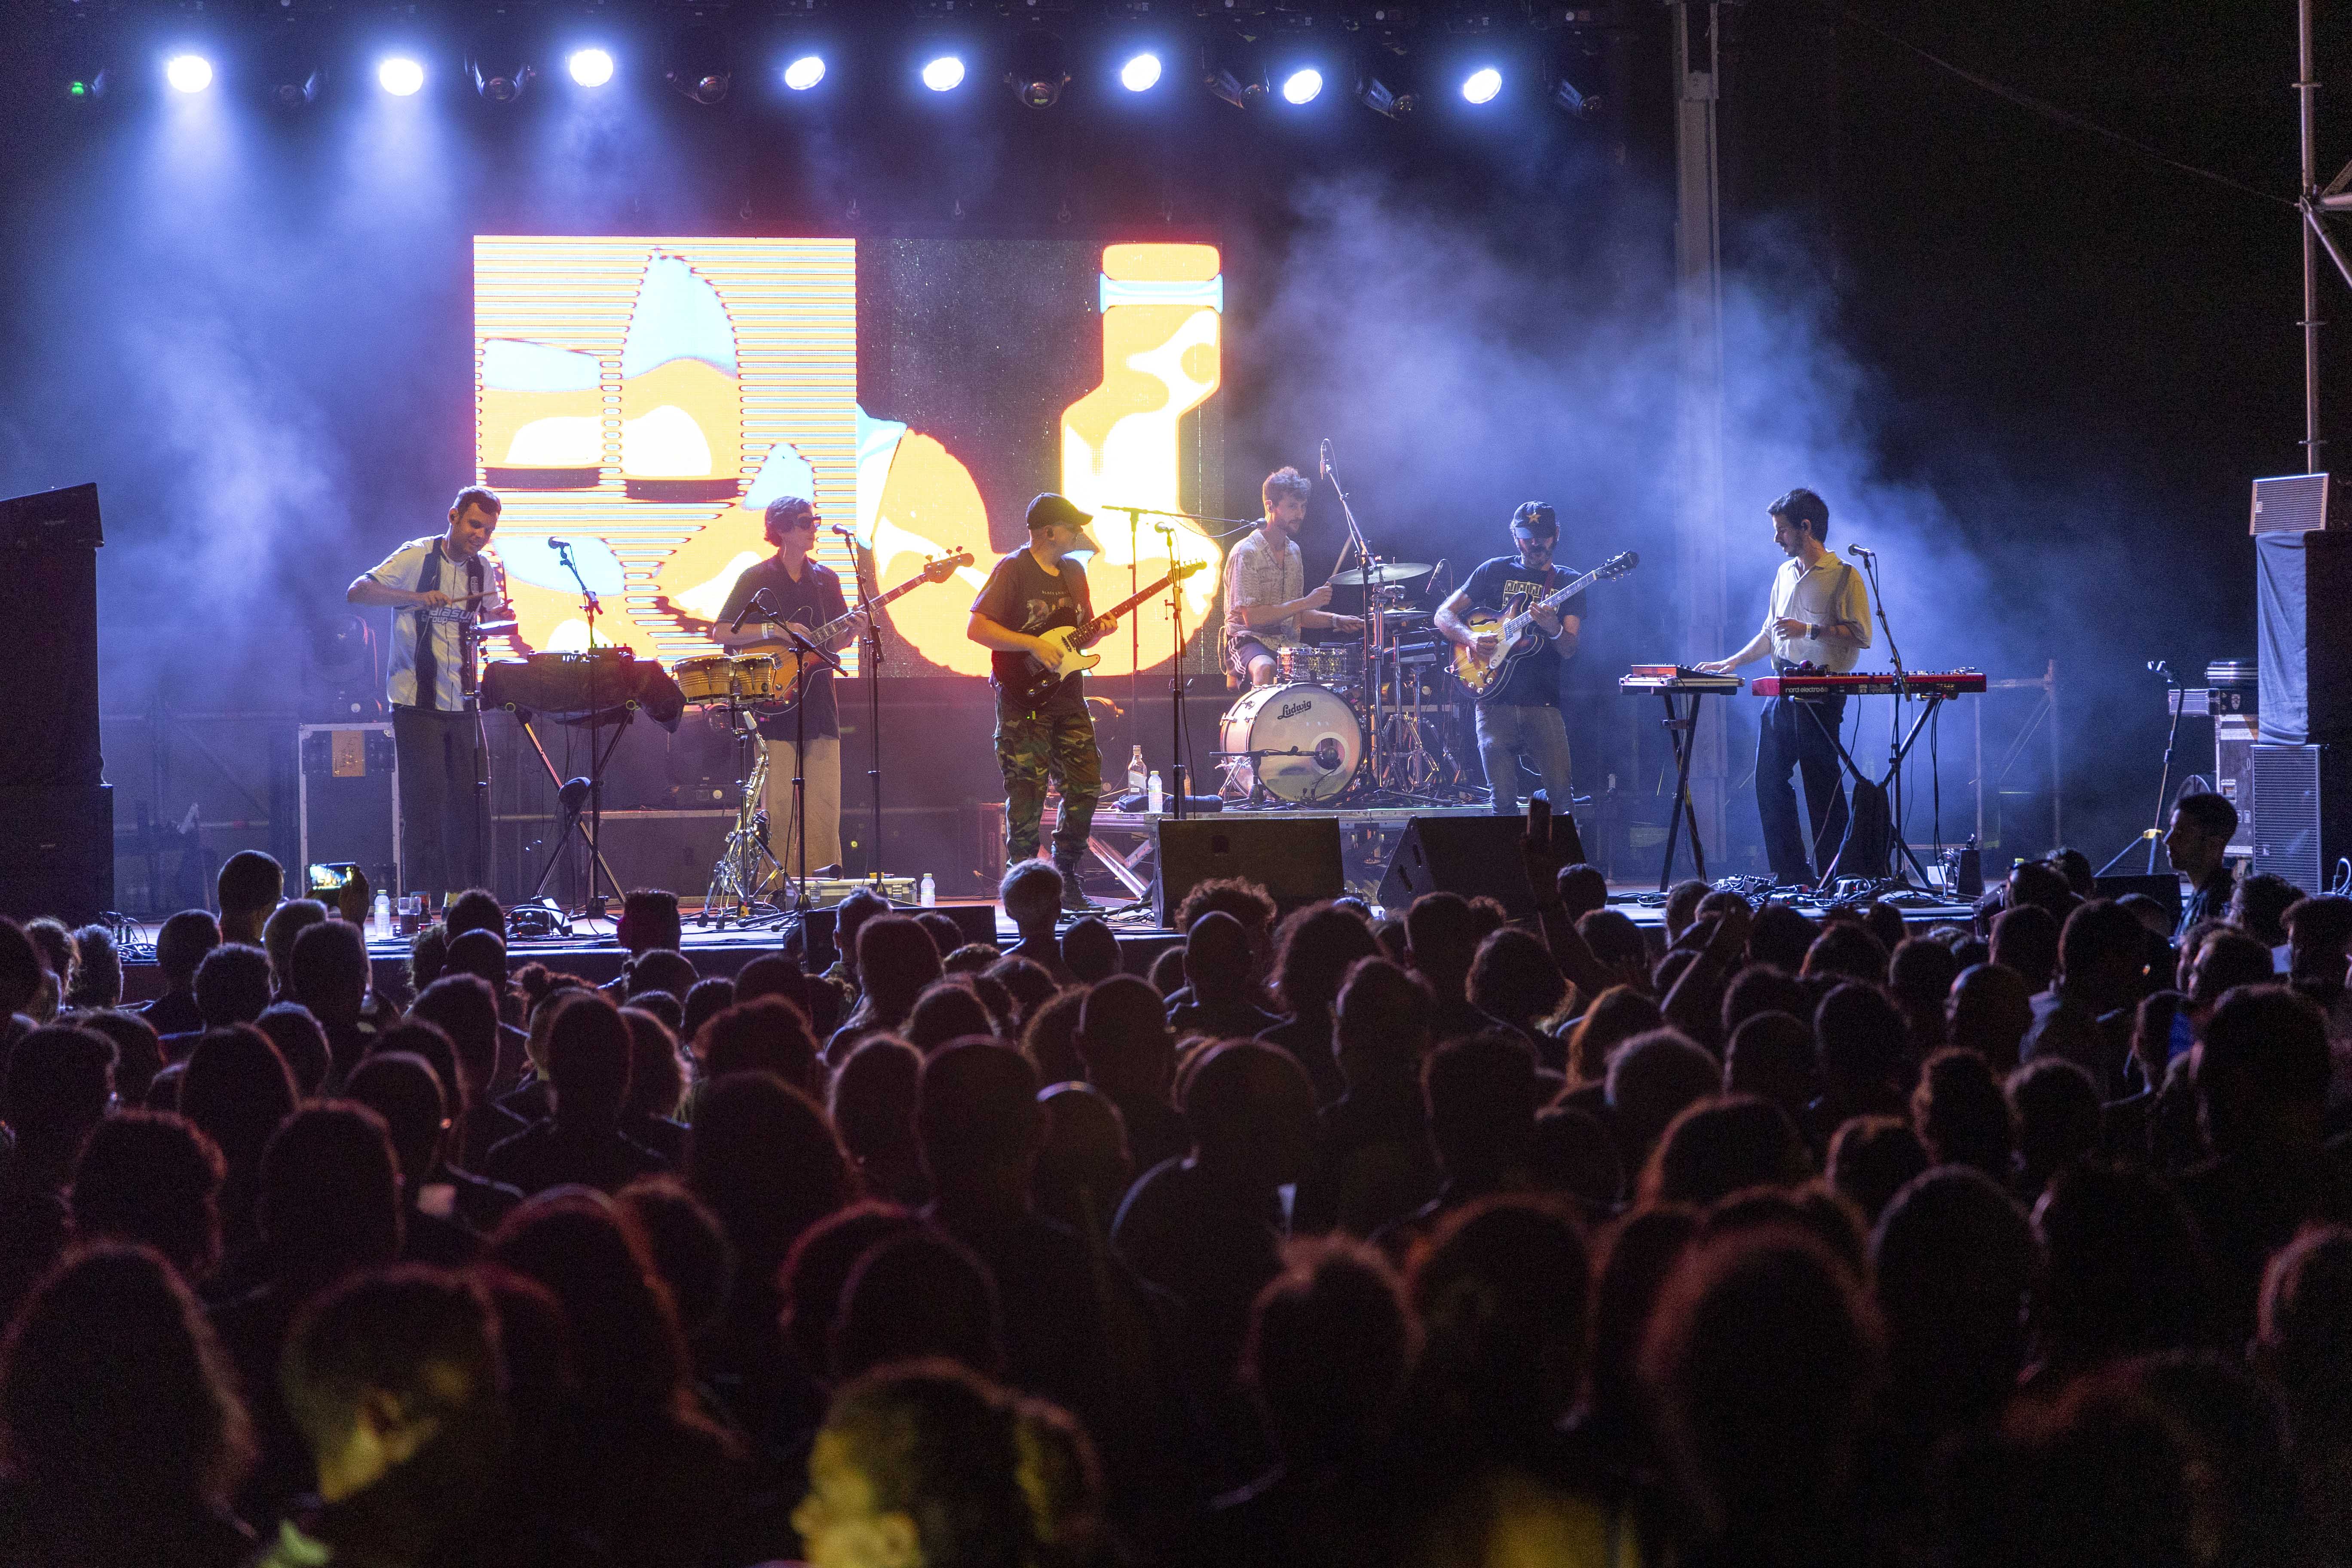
(806, 592)
(1266, 601)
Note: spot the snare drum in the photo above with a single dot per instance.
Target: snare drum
(1301, 742)
(744, 679)
(1338, 665)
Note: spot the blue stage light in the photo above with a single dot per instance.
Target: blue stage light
(1481, 85)
(590, 67)
(399, 76)
(943, 73)
(188, 73)
(1141, 74)
(805, 72)
(1302, 86)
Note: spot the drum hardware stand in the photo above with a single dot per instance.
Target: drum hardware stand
(745, 863)
(1375, 628)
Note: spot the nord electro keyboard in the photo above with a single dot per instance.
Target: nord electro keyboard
(1936, 683)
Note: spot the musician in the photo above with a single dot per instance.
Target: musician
(436, 587)
(1029, 592)
(1819, 614)
(806, 594)
(1266, 598)
(1521, 718)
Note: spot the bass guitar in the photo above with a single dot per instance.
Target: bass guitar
(1517, 634)
(792, 665)
(1067, 644)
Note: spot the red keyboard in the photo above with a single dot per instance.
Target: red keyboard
(1870, 683)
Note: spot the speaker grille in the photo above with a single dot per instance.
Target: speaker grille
(2292, 815)
(2296, 503)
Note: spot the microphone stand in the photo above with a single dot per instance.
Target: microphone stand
(2176, 700)
(590, 605)
(1375, 628)
(870, 666)
(807, 649)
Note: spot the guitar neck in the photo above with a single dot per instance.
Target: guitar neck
(1109, 618)
(1559, 596)
(840, 623)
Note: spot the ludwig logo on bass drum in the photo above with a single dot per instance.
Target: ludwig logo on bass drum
(1293, 709)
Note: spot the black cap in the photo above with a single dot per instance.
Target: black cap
(1050, 509)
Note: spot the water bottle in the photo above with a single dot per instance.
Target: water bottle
(931, 892)
(1153, 798)
(1135, 771)
(382, 917)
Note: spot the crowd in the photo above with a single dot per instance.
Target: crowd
(1422, 1238)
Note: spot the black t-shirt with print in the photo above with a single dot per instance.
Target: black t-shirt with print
(1534, 681)
(808, 602)
(1022, 596)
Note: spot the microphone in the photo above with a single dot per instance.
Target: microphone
(1859, 554)
(836, 528)
(760, 599)
(558, 545)
(1437, 573)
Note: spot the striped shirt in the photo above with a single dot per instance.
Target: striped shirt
(405, 569)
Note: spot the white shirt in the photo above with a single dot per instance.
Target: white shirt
(1832, 591)
(1263, 571)
(405, 569)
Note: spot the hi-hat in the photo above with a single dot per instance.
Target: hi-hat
(1385, 572)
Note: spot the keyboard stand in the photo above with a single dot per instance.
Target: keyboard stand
(1899, 848)
(1682, 728)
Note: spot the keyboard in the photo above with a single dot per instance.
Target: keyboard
(1647, 678)
(1870, 683)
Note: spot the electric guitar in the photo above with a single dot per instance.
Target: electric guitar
(792, 665)
(1067, 644)
(1517, 635)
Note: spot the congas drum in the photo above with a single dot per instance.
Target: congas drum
(1338, 665)
(744, 680)
(1299, 743)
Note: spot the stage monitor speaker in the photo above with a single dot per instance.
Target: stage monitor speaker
(2302, 582)
(48, 601)
(1296, 858)
(57, 854)
(976, 922)
(1472, 856)
(2164, 888)
(2303, 812)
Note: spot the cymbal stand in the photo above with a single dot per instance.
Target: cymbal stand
(745, 865)
(1375, 631)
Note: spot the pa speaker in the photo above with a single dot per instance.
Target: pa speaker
(1295, 859)
(2302, 583)
(975, 922)
(1472, 856)
(2303, 812)
(57, 855)
(48, 601)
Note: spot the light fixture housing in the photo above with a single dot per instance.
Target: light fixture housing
(1040, 70)
(590, 66)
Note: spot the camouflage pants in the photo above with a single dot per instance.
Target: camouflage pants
(1031, 748)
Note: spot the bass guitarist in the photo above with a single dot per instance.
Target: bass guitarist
(1048, 733)
(805, 593)
(1520, 718)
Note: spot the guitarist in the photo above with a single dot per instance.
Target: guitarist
(1521, 718)
(1031, 592)
(806, 592)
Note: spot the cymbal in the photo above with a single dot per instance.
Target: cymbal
(1405, 615)
(1386, 572)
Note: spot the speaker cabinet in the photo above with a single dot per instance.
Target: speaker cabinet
(1296, 859)
(2302, 582)
(349, 800)
(48, 601)
(1472, 856)
(2303, 812)
(57, 856)
(2235, 736)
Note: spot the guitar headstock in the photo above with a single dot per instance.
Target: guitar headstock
(1177, 574)
(945, 566)
(1616, 566)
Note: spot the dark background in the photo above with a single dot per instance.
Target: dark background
(2036, 369)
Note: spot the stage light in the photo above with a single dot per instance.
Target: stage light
(943, 73)
(1567, 96)
(805, 72)
(500, 84)
(1038, 73)
(1302, 86)
(590, 68)
(1380, 99)
(700, 65)
(1141, 73)
(1481, 85)
(399, 76)
(188, 73)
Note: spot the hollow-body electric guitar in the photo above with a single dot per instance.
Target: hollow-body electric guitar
(1067, 644)
(792, 665)
(1517, 634)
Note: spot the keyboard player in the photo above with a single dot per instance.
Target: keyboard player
(1818, 615)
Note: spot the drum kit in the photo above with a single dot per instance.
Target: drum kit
(738, 688)
(1363, 722)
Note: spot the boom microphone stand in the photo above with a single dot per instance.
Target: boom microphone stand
(869, 664)
(1375, 626)
(2176, 700)
(590, 605)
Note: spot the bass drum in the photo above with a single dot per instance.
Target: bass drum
(1299, 743)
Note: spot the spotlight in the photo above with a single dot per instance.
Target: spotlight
(805, 72)
(700, 63)
(498, 83)
(1302, 86)
(590, 68)
(399, 76)
(188, 73)
(85, 87)
(944, 73)
(1234, 69)
(1567, 96)
(1481, 85)
(1380, 99)
(1038, 74)
(1141, 73)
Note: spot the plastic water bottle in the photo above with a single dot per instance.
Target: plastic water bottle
(1154, 793)
(931, 892)
(1135, 771)
(383, 920)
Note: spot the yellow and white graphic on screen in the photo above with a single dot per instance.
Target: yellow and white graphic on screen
(644, 399)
